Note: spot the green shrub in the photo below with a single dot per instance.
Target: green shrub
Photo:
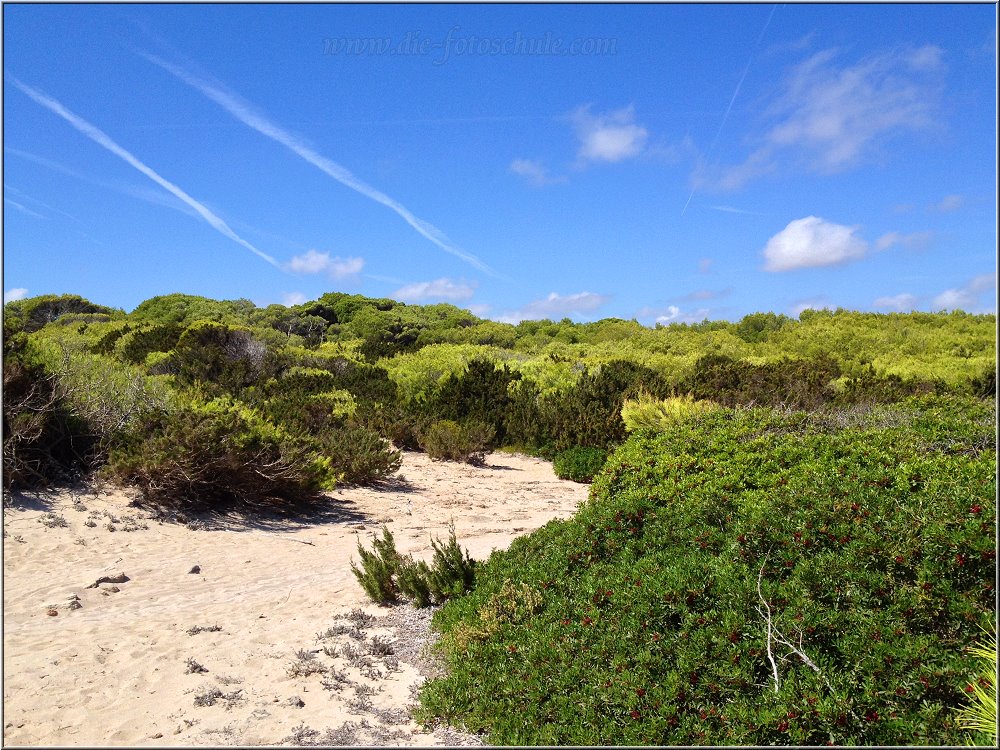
(379, 568)
(985, 384)
(413, 579)
(646, 413)
(752, 577)
(791, 383)
(137, 344)
(385, 574)
(579, 464)
(35, 313)
(398, 424)
(479, 394)
(873, 387)
(219, 455)
(589, 413)
(64, 407)
(451, 572)
(42, 442)
(359, 455)
(224, 358)
(451, 441)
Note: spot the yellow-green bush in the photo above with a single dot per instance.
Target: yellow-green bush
(647, 413)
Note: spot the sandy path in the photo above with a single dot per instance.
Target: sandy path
(115, 670)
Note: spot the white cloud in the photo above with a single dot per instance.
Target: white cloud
(811, 303)
(813, 242)
(966, 297)
(927, 57)
(12, 295)
(674, 314)
(609, 137)
(912, 241)
(313, 262)
(948, 204)
(900, 302)
(480, 311)
(290, 299)
(533, 172)
(439, 289)
(830, 117)
(705, 265)
(556, 306)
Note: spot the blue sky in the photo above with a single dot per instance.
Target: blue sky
(667, 163)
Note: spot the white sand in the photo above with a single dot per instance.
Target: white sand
(114, 670)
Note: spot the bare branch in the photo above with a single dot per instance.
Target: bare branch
(770, 626)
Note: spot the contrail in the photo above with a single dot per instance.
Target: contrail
(732, 99)
(245, 113)
(21, 207)
(102, 139)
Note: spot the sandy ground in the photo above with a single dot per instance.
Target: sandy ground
(269, 640)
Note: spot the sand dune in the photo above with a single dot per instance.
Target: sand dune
(293, 651)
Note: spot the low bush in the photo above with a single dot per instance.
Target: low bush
(791, 383)
(450, 441)
(579, 464)
(41, 439)
(874, 387)
(480, 394)
(359, 455)
(379, 568)
(399, 425)
(451, 572)
(589, 413)
(385, 574)
(753, 577)
(647, 413)
(219, 455)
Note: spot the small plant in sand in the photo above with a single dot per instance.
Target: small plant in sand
(385, 574)
(378, 567)
(335, 680)
(193, 667)
(305, 664)
(195, 629)
(52, 521)
(207, 697)
(361, 618)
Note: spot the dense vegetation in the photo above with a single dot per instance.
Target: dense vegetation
(795, 544)
(748, 577)
(327, 390)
